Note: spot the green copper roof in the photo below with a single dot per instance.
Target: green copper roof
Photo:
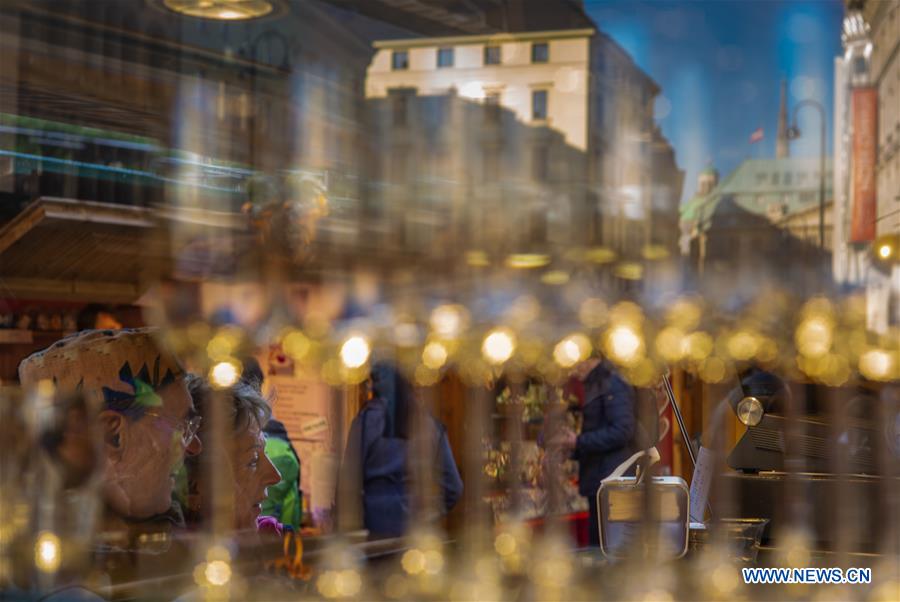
(764, 186)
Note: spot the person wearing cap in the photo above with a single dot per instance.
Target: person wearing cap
(139, 404)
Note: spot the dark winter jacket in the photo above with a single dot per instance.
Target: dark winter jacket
(608, 431)
(386, 471)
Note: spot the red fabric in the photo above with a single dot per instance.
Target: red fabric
(578, 526)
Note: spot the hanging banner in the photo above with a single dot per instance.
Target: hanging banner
(864, 113)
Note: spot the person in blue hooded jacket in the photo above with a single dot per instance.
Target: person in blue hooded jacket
(385, 457)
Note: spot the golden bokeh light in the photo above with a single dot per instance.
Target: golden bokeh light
(624, 345)
(527, 261)
(877, 364)
(355, 351)
(670, 343)
(217, 572)
(413, 561)
(477, 259)
(434, 355)
(296, 344)
(697, 346)
(498, 346)
(743, 344)
(47, 552)
(814, 335)
(449, 321)
(555, 277)
(713, 370)
(225, 373)
(571, 350)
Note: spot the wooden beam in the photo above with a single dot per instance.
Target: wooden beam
(72, 290)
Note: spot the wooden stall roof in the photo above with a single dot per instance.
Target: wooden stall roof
(87, 251)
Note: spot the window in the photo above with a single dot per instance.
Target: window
(445, 57)
(400, 60)
(539, 105)
(491, 55)
(540, 52)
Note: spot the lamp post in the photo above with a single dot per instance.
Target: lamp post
(793, 133)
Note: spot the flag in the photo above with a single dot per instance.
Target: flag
(756, 136)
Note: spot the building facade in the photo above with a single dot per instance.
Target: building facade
(574, 80)
(869, 68)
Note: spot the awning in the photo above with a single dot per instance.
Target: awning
(64, 249)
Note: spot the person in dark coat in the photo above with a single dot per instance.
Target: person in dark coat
(379, 452)
(609, 432)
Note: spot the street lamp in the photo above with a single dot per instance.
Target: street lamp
(793, 133)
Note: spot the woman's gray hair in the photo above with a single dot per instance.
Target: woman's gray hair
(248, 403)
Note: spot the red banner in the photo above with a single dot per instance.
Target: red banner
(864, 113)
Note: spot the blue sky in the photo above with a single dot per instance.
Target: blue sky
(719, 64)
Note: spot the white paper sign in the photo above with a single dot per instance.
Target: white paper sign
(700, 483)
(311, 428)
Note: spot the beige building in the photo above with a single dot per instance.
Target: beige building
(570, 78)
(542, 77)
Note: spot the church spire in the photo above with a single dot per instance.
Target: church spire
(782, 150)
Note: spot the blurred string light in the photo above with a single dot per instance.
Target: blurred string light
(225, 373)
(685, 313)
(814, 336)
(47, 552)
(629, 270)
(878, 364)
(477, 259)
(624, 345)
(296, 345)
(224, 343)
(670, 344)
(434, 355)
(600, 255)
(217, 572)
(355, 352)
(555, 277)
(513, 546)
(527, 261)
(345, 583)
(498, 346)
(743, 344)
(571, 350)
(449, 321)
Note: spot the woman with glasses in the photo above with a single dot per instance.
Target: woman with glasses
(250, 470)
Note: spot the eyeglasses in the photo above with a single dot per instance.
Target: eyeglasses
(187, 426)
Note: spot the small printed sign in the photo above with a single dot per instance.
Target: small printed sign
(316, 426)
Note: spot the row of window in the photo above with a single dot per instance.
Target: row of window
(540, 53)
